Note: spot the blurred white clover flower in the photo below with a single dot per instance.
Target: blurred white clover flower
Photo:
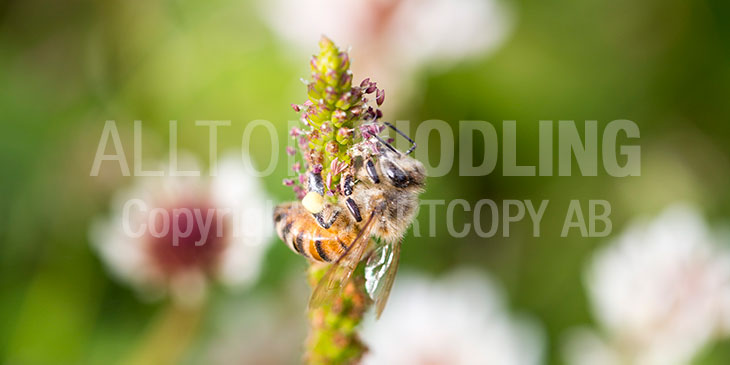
(392, 39)
(460, 319)
(174, 234)
(660, 292)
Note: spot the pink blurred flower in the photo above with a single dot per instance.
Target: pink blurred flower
(173, 235)
(392, 39)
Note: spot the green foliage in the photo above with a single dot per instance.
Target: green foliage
(663, 64)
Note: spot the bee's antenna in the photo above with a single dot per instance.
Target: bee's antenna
(387, 144)
(413, 144)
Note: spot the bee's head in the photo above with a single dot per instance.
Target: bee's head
(402, 171)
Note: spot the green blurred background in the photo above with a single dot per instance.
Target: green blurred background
(66, 67)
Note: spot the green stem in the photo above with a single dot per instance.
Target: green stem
(168, 337)
(333, 337)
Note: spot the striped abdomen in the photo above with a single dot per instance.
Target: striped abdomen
(298, 229)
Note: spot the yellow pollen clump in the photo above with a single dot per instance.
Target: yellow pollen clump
(313, 202)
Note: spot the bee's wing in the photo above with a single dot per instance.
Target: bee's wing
(339, 273)
(380, 273)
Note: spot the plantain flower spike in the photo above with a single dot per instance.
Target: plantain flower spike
(332, 114)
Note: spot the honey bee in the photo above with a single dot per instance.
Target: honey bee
(303, 235)
(378, 203)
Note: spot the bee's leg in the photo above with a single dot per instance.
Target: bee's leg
(316, 185)
(347, 185)
(315, 182)
(354, 209)
(372, 172)
(413, 144)
(325, 224)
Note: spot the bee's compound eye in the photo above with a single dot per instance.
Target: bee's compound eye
(395, 174)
